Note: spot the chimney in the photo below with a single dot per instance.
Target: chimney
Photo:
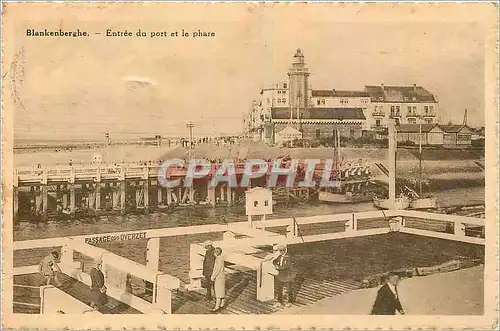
(415, 87)
(383, 90)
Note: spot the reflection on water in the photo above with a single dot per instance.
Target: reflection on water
(198, 215)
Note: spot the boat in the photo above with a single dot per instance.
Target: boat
(423, 203)
(401, 202)
(348, 197)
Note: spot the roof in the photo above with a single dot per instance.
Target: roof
(258, 189)
(415, 128)
(400, 93)
(453, 128)
(289, 130)
(321, 113)
(340, 93)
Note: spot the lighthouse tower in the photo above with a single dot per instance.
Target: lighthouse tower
(297, 76)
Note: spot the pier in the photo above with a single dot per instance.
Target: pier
(251, 287)
(98, 189)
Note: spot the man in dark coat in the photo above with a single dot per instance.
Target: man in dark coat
(283, 264)
(387, 301)
(97, 287)
(208, 267)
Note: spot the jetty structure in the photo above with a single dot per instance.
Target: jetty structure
(99, 188)
(152, 287)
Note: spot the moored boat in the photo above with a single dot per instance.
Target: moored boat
(423, 203)
(401, 202)
(345, 198)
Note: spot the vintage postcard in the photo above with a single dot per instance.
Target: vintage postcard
(250, 165)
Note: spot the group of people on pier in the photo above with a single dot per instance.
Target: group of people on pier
(213, 271)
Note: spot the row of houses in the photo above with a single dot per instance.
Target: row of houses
(438, 135)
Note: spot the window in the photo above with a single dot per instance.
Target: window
(428, 120)
(255, 203)
(279, 100)
(397, 121)
(364, 100)
(285, 85)
(344, 100)
(323, 102)
(319, 102)
(392, 109)
(378, 122)
(431, 108)
(283, 100)
(412, 121)
(409, 109)
(406, 98)
(266, 203)
(397, 110)
(426, 109)
(279, 92)
(414, 109)
(318, 133)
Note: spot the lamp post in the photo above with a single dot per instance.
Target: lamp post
(190, 126)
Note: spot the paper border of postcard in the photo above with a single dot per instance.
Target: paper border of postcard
(485, 14)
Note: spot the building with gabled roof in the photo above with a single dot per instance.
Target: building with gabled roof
(457, 135)
(431, 134)
(350, 112)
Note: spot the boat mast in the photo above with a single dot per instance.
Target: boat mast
(420, 154)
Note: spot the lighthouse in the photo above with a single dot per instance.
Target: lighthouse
(297, 76)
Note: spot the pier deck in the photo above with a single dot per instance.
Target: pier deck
(324, 269)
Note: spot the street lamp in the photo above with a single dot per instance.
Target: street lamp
(190, 126)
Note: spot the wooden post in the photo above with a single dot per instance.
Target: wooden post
(229, 193)
(15, 197)
(72, 197)
(211, 195)
(146, 194)
(191, 195)
(459, 229)
(123, 192)
(153, 254)
(265, 283)
(65, 199)
(160, 195)
(38, 199)
(91, 198)
(138, 194)
(98, 196)
(169, 196)
(116, 196)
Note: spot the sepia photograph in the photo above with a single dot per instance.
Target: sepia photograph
(213, 162)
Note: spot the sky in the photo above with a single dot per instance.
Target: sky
(82, 87)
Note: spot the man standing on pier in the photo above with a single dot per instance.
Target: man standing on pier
(387, 301)
(48, 267)
(208, 267)
(97, 287)
(283, 264)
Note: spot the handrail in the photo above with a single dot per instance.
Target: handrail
(298, 229)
